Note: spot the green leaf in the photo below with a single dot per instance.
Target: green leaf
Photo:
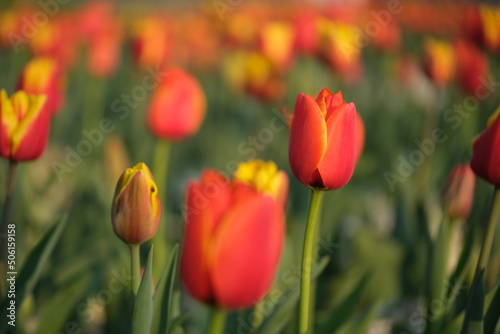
(63, 303)
(282, 312)
(345, 308)
(492, 317)
(473, 322)
(33, 267)
(143, 308)
(162, 299)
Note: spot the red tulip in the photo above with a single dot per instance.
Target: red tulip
(177, 106)
(43, 76)
(472, 66)
(458, 194)
(24, 128)
(323, 147)
(233, 241)
(486, 152)
(136, 208)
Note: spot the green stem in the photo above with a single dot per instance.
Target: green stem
(218, 321)
(160, 166)
(6, 220)
(160, 172)
(306, 311)
(490, 233)
(135, 262)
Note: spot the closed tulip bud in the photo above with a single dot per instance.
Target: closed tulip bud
(233, 241)
(323, 147)
(25, 124)
(177, 107)
(43, 76)
(486, 152)
(136, 208)
(458, 194)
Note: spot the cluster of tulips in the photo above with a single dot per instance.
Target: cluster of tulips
(235, 225)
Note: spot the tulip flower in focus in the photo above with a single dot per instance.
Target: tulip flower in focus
(177, 107)
(43, 76)
(439, 61)
(136, 207)
(25, 124)
(323, 147)
(234, 237)
(458, 194)
(486, 152)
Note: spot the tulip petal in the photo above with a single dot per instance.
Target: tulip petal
(308, 133)
(9, 121)
(486, 160)
(338, 163)
(207, 201)
(246, 252)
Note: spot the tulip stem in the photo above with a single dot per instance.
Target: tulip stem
(490, 233)
(135, 260)
(306, 312)
(218, 321)
(6, 220)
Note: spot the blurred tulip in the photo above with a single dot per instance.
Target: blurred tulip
(265, 177)
(490, 23)
(177, 107)
(389, 38)
(324, 135)
(276, 44)
(340, 47)
(472, 66)
(104, 50)
(43, 76)
(25, 124)
(233, 241)
(458, 194)
(136, 207)
(486, 152)
(306, 31)
(439, 61)
(150, 41)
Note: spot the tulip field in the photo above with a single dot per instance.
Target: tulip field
(249, 167)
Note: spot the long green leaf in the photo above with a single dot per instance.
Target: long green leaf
(33, 267)
(492, 317)
(162, 299)
(474, 318)
(345, 308)
(282, 313)
(143, 308)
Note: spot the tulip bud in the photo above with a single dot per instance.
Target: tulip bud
(486, 152)
(43, 76)
(233, 240)
(458, 194)
(136, 208)
(177, 106)
(323, 147)
(25, 124)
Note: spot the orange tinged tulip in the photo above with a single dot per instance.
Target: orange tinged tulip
(233, 240)
(43, 76)
(276, 44)
(439, 61)
(150, 45)
(458, 194)
(486, 152)
(177, 107)
(323, 147)
(136, 208)
(472, 67)
(25, 123)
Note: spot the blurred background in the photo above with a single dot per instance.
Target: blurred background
(410, 67)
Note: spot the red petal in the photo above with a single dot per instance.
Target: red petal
(486, 158)
(246, 252)
(339, 161)
(307, 138)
